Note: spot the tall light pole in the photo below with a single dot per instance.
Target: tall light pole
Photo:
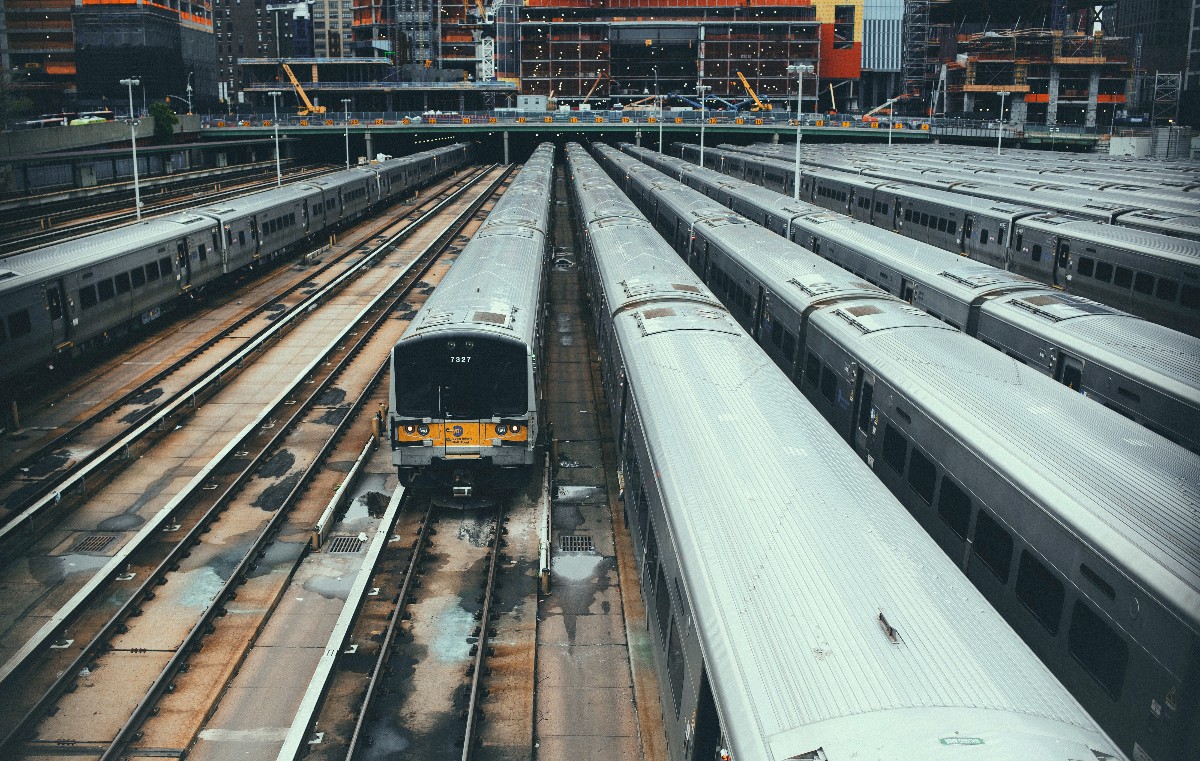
(1000, 122)
(800, 69)
(660, 110)
(189, 92)
(700, 90)
(346, 118)
(133, 123)
(275, 94)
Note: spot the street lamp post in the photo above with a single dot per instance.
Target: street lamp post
(800, 70)
(660, 111)
(1000, 122)
(133, 123)
(346, 118)
(275, 94)
(700, 90)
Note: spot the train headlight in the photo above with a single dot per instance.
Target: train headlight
(423, 430)
(516, 427)
(501, 429)
(409, 429)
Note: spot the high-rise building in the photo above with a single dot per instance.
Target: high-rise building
(37, 50)
(166, 46)
(1164, 27)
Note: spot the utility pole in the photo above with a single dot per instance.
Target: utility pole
(133, 123)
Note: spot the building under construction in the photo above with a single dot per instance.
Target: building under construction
(1050, 76)
(609, 52)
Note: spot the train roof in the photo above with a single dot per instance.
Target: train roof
(91, 250)
(826, 615)
(1167, 247)
(1147, 352)
(1129, 494)
(493, 286)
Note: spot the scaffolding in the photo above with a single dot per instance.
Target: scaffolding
(915, 62)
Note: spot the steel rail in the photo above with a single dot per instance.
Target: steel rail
(145, 591)
(45, 495)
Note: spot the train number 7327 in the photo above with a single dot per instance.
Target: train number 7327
(460, 359)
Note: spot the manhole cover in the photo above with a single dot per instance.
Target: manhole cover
(575, 543)
(94, 543)
(345, 544)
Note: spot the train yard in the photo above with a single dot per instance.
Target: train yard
(474, 461)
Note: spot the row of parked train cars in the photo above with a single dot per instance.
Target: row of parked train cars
(796, 609)
(1075, 523)
(1119, 254)
(60, 300)
(1143, 370)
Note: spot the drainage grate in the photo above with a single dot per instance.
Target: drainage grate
(94, 543)
(344, 544)
(576, 543)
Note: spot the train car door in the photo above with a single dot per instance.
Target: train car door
(862, 415)
(1062, 262)
(760, 310)
(183, 263)
(968, 226)
(906, 290)
(57, 309)
(1069, 372)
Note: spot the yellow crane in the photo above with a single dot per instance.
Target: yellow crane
(309, 108)
(758, 104)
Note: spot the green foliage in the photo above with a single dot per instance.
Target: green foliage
(13, 105)
(164, 122)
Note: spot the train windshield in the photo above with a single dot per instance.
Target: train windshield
(459, 378)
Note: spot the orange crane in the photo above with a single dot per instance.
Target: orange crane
(309, 108)
(758, 104)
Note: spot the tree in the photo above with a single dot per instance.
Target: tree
(164, 122)
(13, 105)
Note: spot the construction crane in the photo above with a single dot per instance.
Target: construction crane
(309, 108)
(600, 75)
(869, 116)
(758, 104)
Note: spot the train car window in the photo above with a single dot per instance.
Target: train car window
(1104, 271)
(924, 219)
(1122, 277)
(993, 545)
(3, 334)
(864, 406)
(1100, 583)
(106, 290)
(241, 237)
(203, 249)
(1126, 393)
(1167, 289)
(662, 605)
(954, 508)
(1099, 649)
(1143, 283)
(1085, 266)
(789, 344)
(152, 271)
(87, 296)
(952, 227)
(921, 475)
(812, 368)
(165, 266)
(1040, 591)
(1000, 237)
(1190, 297)
(941, 224)
(54, 302)
(643, 517)
(895, 448)
(908, 215)
(19, 324)
(675, 668)
(123, 285)
(885, 209)
(983, 236)
(1035, 253)
(139, 277)
(828, 383)
(777, 334)
(651, 554)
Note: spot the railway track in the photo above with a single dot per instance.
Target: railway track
(56, 466)
(133, 628)
(61, 226)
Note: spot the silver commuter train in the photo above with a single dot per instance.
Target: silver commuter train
(1089, 552)
(59, 300)
(1147, 273)
(1142, 370)
(796, 610)
(465, 375)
